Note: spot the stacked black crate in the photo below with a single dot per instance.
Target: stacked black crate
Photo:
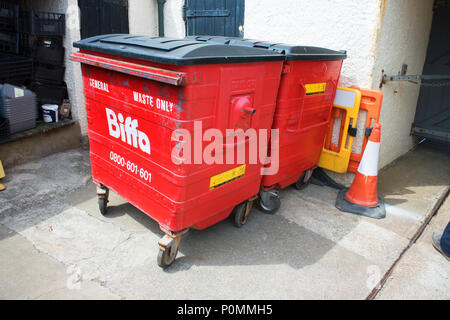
(46, 30)
(14, 68)
(4, 129)
(9, 28)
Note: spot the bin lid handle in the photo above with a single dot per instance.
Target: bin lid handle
(157, 74)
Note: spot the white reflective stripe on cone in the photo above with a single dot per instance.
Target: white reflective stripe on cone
(369, 162)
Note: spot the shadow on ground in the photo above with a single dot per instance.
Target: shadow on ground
(46, 185)
(55, 183)
(427, 166)
(263, 240)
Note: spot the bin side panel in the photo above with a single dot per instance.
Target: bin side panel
(303, 111)
(131, 121)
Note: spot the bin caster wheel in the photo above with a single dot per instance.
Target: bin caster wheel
(304, 180)
(301, 184)
(103, 205)
(103, 195)
(168, 250)
(269, 202)
(166, 257)
(241, 213)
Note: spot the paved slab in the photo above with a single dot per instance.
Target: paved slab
(309, 250)
(28, 273)
(412, 185)
(422, 273)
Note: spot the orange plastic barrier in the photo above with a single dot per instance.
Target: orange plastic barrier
(371, 101)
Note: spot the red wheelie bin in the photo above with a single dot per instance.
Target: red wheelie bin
(143, 94)
(304, 102)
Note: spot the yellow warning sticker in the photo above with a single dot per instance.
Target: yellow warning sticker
(315, 88)
(227, 176)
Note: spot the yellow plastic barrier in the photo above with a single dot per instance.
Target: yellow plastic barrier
(2, 175)
(345, 106)
(2, 172)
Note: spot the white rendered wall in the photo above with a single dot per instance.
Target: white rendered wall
(143, 17)
(173, 19)
(377, 34)
(333, 24)
(403, 38)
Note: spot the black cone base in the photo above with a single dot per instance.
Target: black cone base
(376, 212)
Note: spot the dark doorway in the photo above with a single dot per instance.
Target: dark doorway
(103, 17)
(214, 17)
(432, 119)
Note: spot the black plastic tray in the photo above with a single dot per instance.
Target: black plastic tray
(15, 69)
(49, 93)
(9, 42)
(4, 129)
(43, 23)
(47, 73)
(9, 17)
(49, 50)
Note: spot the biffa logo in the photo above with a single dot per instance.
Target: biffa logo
(127, 131)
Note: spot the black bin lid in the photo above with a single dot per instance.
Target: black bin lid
(290, 51)
(175, 51)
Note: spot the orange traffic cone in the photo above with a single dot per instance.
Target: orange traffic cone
(362, 197)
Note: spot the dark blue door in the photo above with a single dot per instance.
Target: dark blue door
(432, 119)
(103, 17)
(214, 17)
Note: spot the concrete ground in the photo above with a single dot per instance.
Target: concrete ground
(38, 142)
(422, 273)
(54, 243)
